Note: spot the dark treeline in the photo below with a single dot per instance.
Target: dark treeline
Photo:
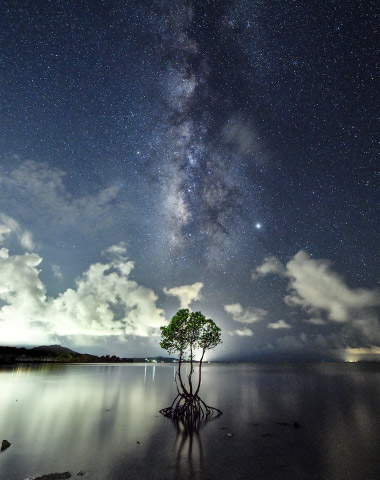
(53, 353)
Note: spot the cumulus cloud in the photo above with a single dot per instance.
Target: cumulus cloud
(279, 324)
(315, 287)
(245, 332)
(250, 315)
(9, 226)
(104, 301)
(325, 297)
(245, 316)
(23, 314)
(185, 293)
(271, 265)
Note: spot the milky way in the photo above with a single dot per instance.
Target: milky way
(203, 191)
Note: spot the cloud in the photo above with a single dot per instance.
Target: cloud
(250, 315)
(357, 354)
(315, 287)
(9, 227)
(326, 298)
(57, 271)
(185, 293)
(104, 302)
(23, 295)
(34, 190)
(279, 324)
(119, 250)
(271, 265)
(316, 321)
(245, 332)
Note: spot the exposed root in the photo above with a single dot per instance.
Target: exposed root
(189, 408)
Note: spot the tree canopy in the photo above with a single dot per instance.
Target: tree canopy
(189, 331)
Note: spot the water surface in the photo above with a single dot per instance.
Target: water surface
(90, 417)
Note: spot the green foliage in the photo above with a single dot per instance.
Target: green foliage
(189, 331)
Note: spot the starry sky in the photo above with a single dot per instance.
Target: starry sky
(221, 156)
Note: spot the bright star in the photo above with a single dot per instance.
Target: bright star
(258, 226)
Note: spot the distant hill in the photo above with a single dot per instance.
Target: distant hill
(54, 349)
(53, 353)
(59, 354)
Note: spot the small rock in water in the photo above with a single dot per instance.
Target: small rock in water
(138, 443)
(230, 435)
(54, 476)
(81, 473)
(296, 425)
(5, 444)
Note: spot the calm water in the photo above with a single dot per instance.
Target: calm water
(90, 417)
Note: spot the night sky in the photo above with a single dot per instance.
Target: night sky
(216, 155)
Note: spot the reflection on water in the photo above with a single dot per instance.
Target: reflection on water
(188, 449)
(91, 417)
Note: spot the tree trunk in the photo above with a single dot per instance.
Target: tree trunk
(187, 406)
(191, 371)
(179, 375)
(200, 372)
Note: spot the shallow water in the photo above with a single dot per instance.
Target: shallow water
(90, 417)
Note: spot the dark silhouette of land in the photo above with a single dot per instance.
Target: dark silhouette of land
(59, 354)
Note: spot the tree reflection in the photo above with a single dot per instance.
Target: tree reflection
(189, 449)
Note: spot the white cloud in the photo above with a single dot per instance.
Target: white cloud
(9, 227)
(316, 321)
(57, 271)
(104, 302)
(23, 315)
(185, 293)
(250, 315)
(245, 332)
(118, 250)
(234, 309)
(325, 297)
(271, 265)
(279, 324)
(315, 287)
